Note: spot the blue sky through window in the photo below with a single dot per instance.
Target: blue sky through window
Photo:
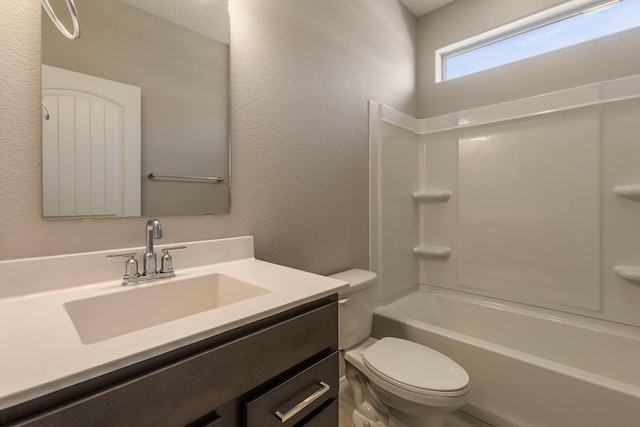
(575, 29)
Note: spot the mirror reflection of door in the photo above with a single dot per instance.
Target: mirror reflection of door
(93, 125)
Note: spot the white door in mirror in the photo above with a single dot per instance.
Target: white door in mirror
(91, 146)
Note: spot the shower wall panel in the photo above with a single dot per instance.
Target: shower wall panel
(529, 209)
(535, 201)
(394, 153)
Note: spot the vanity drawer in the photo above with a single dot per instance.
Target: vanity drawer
(299, 397)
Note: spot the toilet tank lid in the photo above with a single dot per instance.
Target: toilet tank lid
(358, 279)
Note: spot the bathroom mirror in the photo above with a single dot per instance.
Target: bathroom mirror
(138, 109)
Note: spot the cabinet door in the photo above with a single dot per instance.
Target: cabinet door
(227, 415)
(296, 398)
(209, 420)
(327, 417)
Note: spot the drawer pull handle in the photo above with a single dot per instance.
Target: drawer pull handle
(306, 402)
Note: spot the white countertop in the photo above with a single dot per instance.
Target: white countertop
(41, 350)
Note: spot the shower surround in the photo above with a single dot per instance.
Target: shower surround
(532, 203)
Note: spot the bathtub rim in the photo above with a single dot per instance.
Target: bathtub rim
(386, 310)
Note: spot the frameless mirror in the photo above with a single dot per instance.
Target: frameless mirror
(138, 109)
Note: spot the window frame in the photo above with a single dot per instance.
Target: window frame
(519, 26)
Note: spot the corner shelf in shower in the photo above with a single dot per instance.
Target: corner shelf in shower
(426, 251)
(628, 191)
(432, 196)
(627, 272)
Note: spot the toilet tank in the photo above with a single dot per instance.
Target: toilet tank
(355, 307)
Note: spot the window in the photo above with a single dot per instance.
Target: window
(571, 23)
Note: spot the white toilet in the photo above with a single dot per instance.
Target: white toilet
(395, 382)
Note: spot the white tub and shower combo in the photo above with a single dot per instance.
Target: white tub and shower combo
(508, 238)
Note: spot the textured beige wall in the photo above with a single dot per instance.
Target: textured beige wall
(603, 59)
(301, 74)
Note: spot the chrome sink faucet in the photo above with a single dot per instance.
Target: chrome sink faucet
(154, 230)
(150, 269)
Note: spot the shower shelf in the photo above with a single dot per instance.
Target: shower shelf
(627, 272)
(628, 191)
(432, 251)
(432, 196)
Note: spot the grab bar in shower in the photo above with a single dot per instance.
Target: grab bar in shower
(214, 179)
(56, 21)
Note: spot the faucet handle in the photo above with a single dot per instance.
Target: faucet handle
(167, 262)
(131, 266)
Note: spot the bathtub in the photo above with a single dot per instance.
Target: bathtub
(528, 366)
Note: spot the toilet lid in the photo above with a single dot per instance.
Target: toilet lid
(413, 366)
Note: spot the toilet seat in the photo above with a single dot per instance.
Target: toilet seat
(415, 368)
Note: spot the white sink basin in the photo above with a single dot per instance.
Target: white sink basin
(142, 306)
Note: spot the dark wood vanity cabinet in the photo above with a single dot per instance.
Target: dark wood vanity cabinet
(285, 366)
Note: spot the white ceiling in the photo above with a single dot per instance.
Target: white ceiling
(420, 7)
